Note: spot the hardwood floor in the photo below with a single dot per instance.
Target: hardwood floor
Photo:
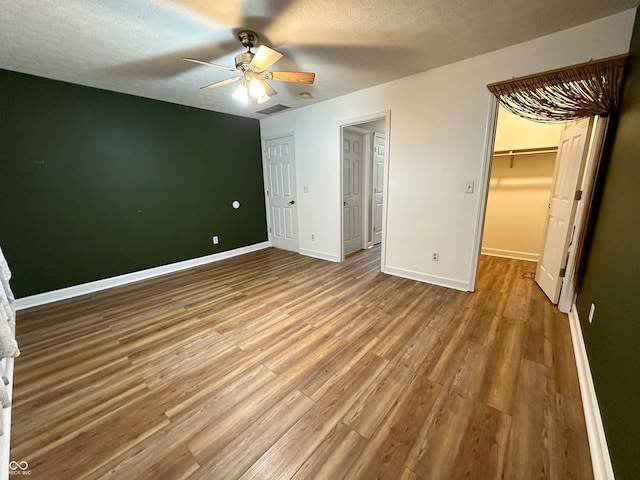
(278, 366)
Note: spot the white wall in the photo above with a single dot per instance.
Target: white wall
(437, 143)
(517, 205)
(375, 126)
(514, 132)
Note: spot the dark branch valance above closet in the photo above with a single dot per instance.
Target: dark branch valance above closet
(569, 93)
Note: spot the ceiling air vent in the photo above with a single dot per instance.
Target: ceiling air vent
(274, 109)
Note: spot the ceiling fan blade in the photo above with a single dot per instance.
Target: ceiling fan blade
(265, 57)
(268, 89)
(209, 64)
(221, 83)
(295, 77)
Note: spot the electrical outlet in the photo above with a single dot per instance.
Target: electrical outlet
(592, 312)
(313, 237)
(215, 239)
(435, 256)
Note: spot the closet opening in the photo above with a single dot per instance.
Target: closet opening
(581, 98)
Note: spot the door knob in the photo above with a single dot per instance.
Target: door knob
(344, 204)
(292, 202)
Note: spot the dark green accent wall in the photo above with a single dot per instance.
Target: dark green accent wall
(95, 184)
(612, 282)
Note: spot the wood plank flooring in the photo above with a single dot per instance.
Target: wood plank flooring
(273, 365)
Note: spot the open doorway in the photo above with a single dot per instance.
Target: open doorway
(363, 163)
(535, 203)
(584, 96)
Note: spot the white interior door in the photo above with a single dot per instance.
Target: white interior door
(378, 186)
(281, 193)
(352, 152)
(572, 153)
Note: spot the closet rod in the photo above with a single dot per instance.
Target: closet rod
(524, 151)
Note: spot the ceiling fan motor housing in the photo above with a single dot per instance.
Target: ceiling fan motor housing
(243, 60)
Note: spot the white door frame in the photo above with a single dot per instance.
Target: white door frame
(567, 294)
(265, 180)
(483, 191)
(350, 122)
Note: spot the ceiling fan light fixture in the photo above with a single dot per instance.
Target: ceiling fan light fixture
(256, 88)
(263, 98)
(241, 93)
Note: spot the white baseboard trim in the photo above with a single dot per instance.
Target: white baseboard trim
(496, 252)
(423, 277)
(91, 287)
(600, 458)
(319, 255)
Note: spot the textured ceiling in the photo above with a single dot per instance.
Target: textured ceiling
(135, 46)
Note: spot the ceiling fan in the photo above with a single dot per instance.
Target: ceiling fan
(252, 68)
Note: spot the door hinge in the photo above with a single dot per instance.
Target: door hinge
(578, 195)
(269, 229)
(375, 149)
(563, 272)
(573, 232)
